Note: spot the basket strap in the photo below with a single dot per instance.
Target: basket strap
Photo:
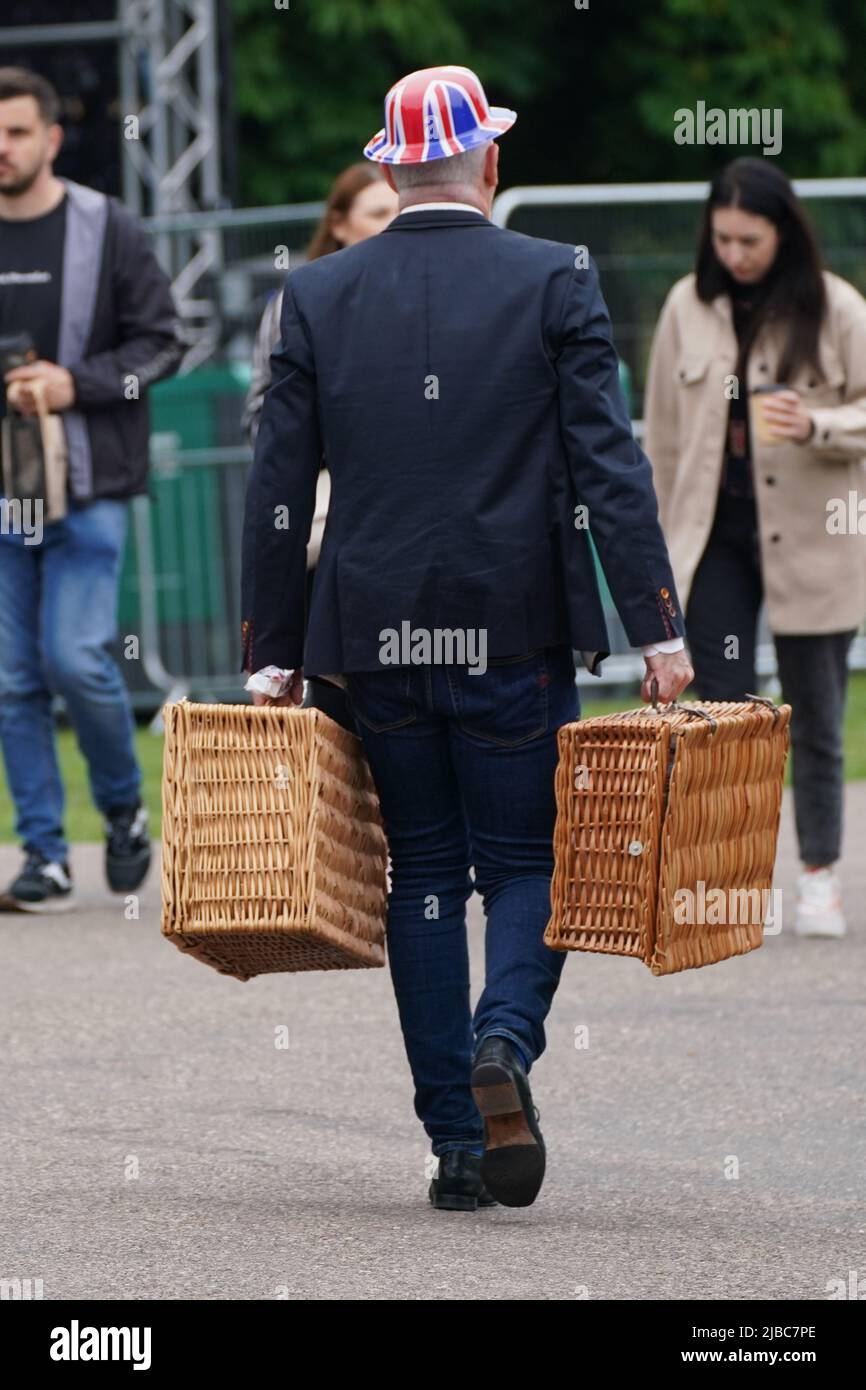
(672, 753)
(37, 390)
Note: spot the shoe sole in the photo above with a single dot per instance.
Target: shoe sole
(453, 1202)
(513, 1165)
(51, 905)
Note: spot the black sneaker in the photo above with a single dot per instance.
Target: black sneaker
(43, 885)
(127, 849)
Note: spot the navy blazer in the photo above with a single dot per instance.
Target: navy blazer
(461, 382)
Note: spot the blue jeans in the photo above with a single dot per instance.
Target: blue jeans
(58, 614)
(464, 766)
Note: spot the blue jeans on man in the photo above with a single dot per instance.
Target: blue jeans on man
(464, 765)
(58, 617)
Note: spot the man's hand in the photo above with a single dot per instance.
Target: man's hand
(57, 381)
(293, 696)
(672, 670)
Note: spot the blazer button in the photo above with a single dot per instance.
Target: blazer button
(775, 536)
(826, 434)
(762, 367)
(769, 480)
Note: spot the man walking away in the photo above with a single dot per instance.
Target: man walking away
(463, 384)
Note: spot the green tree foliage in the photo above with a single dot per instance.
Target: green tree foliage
(596, 89)
(310, 80)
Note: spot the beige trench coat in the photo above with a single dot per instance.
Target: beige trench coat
(814, 580)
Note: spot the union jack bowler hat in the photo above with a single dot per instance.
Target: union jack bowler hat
(434, 113)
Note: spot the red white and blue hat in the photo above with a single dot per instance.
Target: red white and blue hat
(434, 113)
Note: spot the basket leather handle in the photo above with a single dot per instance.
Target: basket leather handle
(674, 704)
(762, 700)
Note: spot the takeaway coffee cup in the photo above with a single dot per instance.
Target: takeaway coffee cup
(760, 425)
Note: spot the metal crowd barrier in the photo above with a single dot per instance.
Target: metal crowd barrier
(187, 554)
(186, 543)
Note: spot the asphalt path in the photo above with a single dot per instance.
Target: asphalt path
(156, 1143)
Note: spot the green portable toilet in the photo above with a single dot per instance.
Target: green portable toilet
(199, 411)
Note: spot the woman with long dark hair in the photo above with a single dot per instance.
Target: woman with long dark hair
(756, 430)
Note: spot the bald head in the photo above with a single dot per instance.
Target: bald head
(470, 177)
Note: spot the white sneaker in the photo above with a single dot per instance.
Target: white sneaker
(819, 904)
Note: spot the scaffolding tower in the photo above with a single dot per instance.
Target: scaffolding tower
(168, 84)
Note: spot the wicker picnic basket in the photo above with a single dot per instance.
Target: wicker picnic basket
(274, 856)
(654, 801)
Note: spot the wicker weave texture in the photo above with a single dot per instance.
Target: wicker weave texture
(274, 855)
(651, 803)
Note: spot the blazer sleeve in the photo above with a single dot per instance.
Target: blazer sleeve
(280, 502)
(661, 407)
(841, 429)
(611, 474)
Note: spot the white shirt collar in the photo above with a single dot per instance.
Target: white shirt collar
(444, 207)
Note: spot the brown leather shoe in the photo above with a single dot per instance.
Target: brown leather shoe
(514, 1161)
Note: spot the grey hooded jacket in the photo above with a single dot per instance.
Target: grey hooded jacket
(119, 333)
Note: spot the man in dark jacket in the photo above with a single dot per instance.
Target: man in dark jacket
(462, 383)
(79, 285)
